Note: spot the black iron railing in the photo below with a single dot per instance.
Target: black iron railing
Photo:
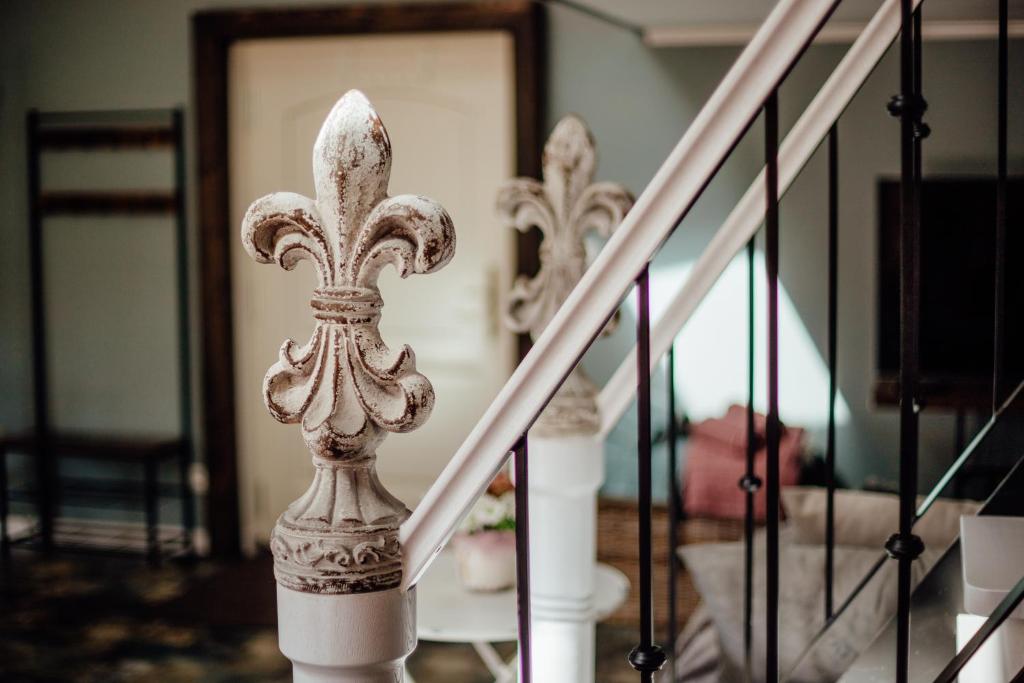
(750, 483)
(675, 508)
(833, 315)
(772, 424)
(647, 657)
(522, 498)
(904, 546)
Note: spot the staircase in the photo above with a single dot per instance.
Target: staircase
(348, 555)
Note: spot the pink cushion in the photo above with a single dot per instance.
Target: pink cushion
(716, 460)
(731, 430)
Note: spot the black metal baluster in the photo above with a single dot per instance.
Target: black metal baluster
(674, 510)
(45, 468)
(522, 497)
(904, 546)
(750, 483)
(772, 429)
(1000, 255)
(645, 657)
(184, 326)
(833, 304)
(1000, 614)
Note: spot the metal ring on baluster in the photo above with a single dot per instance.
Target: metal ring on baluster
(899, 547)
(647, 660)
(749, 483)
(918, 106)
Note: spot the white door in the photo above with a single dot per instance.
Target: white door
(447, 100)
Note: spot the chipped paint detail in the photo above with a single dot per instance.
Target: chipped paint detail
(333, 564)
(345, 387)
(565, 207)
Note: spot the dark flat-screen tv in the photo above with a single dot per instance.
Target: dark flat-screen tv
(957, 289)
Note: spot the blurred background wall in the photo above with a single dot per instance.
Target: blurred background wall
(104, 54)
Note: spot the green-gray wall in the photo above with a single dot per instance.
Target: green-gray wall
(89, 54)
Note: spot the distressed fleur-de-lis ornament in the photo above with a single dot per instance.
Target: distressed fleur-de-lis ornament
(345, 387)
(565, 207)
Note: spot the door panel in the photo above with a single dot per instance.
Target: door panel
(447, 100)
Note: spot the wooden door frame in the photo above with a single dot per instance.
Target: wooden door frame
(213, 33)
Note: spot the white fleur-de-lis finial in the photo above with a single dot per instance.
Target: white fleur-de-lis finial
(345, 386)
(565, 207)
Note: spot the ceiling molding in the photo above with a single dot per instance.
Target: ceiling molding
(835, 32)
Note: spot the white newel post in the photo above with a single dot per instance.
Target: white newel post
(337, 559)
(566, 453)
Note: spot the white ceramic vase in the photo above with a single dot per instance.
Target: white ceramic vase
(486, 560)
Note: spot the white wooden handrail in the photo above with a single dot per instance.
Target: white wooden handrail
(745, 218)
(670, 194)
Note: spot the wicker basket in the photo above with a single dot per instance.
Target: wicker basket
(617, 522)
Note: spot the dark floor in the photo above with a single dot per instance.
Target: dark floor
(86, 619)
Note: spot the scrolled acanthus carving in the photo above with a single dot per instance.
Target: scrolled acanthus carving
(344, 386)
(565, 206)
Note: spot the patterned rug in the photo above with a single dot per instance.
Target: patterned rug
(84, 619)
(94, 619)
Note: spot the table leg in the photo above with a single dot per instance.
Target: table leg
(46, 471)
(152, 496)
(4, 512)
(503, 672)
(187, 502)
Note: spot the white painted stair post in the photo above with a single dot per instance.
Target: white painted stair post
(566, 453)
(337, 559)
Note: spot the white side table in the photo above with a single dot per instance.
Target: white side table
(448, 613)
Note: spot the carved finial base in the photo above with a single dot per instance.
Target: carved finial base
(341, 536)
